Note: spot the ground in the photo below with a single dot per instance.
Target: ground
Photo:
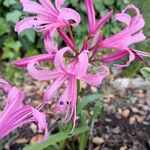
(124, 126)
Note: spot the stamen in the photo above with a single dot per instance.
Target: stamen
(61, 103)
(35, 19)
(59, 119)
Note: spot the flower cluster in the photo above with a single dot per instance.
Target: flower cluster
(49, 20)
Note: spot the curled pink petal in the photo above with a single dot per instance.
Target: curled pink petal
(115, 56)
(70, 14)
(82, 64)
(26, 23)
(131, 58)
(102, 21)
(97, 78)
(91, 15)
(25, 61)
(59, 3)
(40, 74)
(50, 45)
(54, 87)
(41, 120)
(5, 85)
(33, 7)
(59, 58)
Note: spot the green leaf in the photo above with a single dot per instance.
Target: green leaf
(109, 2)
(132, 70)
(97, 110)
(31, 52)
(83, 137)
(8, 3)
(4, 28)
(89, 99)
(13, 16)
(53, 139)
(12, 44)
(29, 34)
(146, 72)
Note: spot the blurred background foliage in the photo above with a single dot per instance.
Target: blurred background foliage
(29, 43)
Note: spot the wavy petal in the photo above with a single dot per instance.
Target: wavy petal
(102, 21)
(40, 74)
(97, 78)
(115, 56)
(25, 61)
(50, 45)
(82, 64)
(59, 3)
(131, 58)
(54, 87)
(91, 15)
(41, 120)
(5, 85)
(47, 4)
(59, 59)
(33, 7)
(26, 23)
(141, 53)
(69, 14)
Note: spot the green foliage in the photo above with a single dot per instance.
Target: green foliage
(13, 16)
(132, 70)
(4, 28)
(53, 139)
(146, 72)
(89, 99)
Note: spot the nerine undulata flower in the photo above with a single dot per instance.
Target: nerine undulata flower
(16, 113)
(121, 42)
(77, 70)
(47, 19)
(93, 25)
(131, 34)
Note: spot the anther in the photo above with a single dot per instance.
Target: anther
(61, 103)
(35, 19)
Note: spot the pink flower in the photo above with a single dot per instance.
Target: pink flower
(77, 70)
(48, 18)
(121, 41)
(16, 114)
(93, 26)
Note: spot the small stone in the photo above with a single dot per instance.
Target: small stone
(123, 147)
(33, 127)
(98, 140)
(93, 89)
(139, 118)
(97, 148)
(22, 141)
(134, 110)
(116, 130)
(132, 120)
(83, 85)
(125, 113)
(36, 139)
